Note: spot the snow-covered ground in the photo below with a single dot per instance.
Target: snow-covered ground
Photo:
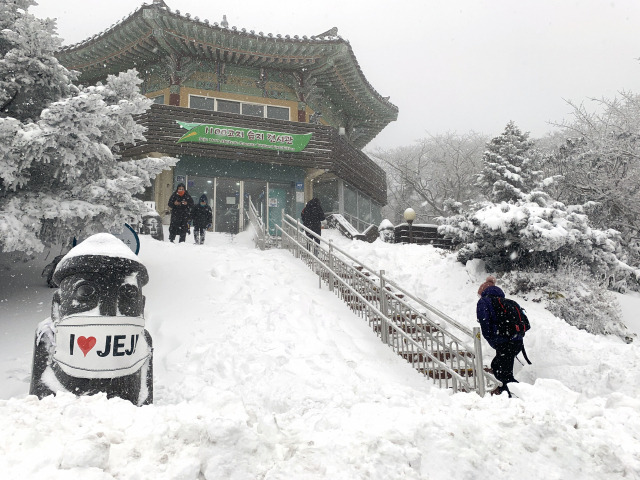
(261, 374)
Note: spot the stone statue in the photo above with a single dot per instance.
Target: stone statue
(151, 225)
(95, 340)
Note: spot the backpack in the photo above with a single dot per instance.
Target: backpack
(510, 317)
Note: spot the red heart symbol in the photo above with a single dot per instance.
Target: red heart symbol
(86, 344)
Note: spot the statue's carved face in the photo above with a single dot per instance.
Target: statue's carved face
(115, 294)
(151, 223)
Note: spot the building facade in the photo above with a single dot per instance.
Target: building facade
(274, 119)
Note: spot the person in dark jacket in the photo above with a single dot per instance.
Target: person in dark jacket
(506, 348)
(180, 204)
(312, 216)
(202, 216)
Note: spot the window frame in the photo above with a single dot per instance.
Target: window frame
(265, 107)
(206, 98)
(218, 100)
(251, 104)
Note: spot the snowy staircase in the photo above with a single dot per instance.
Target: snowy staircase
(422, 361)
(436, 345)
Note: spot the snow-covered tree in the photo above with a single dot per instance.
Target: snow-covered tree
(524, 227)
(60, 171)
(535, 231)
(436, 170)
(30, 75)
(509, 166)
(600, 163)
(573, 294)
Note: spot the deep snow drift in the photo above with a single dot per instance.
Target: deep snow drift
(261, 374)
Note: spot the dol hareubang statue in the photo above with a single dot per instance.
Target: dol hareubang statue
(95, 340)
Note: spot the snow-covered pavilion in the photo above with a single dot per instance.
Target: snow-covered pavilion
(278, 118)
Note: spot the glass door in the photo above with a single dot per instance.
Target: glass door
(281, 197)
(227, 205)
(199, 186)
(257, 191)
(277, 201)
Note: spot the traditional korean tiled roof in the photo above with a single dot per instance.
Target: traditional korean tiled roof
(153, 32)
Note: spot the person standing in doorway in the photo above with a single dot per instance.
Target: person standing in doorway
(180, 204)
(202, 216)
(312, 217)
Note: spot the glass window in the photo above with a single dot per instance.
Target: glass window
(228, 107)
(159, 99)
(201, 103)
(253, 110)
(376, 213)
(364, 204)
(350, 203)
(327, 193)
(279, 113)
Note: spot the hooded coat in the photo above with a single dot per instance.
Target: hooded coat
(487, 318)
(202, 215)
(312, 216)
(180, 213)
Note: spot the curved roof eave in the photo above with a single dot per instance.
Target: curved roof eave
(154, 31)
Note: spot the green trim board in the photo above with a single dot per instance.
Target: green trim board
(243, 137)
(222, 167)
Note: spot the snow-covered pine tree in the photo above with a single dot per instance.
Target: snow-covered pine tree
(534, 232)
(522, 227)
(30, 75)
(525, 231)
(509, 166)
(60, 172)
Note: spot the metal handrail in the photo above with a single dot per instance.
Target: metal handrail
(422, 337)
(258, 226)
(467, 331)
(349, 217)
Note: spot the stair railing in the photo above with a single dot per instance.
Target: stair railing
(257, 224)
(435, 344)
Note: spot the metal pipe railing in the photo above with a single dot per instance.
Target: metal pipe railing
(351, 219)
(391, 333)
(422, 337)
(258, 226)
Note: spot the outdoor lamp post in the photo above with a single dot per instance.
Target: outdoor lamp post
(410, 216)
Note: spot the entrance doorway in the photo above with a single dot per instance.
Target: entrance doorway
(229, 200)
(227, 218)
(277, 202)
(199, 186)
(257, 191)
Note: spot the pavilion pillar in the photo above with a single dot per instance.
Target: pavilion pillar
(174, 95)
(302, 112)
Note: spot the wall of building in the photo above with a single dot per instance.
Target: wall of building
(162, 190)
(240, 84)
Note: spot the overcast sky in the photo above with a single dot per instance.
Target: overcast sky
(449, 65)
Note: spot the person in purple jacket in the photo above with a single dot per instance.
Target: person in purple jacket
(507, 348)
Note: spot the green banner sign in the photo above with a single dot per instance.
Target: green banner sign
(243, 137)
